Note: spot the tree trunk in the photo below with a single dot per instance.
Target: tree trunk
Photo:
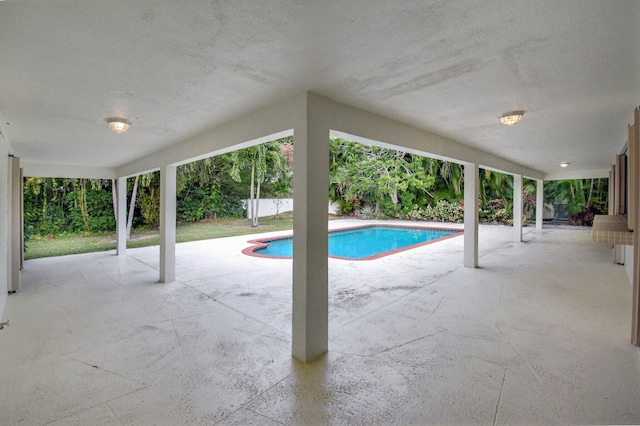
(394, 197)
(132, 206)
(83, 204)
(251, 194)
(75, 199)
(114, 196)
(588, 200)
(254, 219)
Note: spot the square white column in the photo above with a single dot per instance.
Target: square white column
(310, 322)
(634, 163)
(471, 195)
(15, 210)
(517, 208)
(539, 204)
(167, 224)
(121, 219)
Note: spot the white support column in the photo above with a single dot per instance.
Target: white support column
(539, 204)
(16, 237)
(167, 224)
(635, 292)
(517, 208)
(121, 219)
(471, 195)
(612, 191)
(310, 333)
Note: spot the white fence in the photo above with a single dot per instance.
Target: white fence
(270, 206)
(273, 206)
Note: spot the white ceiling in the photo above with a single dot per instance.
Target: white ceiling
(176, 68)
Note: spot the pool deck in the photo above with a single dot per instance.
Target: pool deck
(539, 334)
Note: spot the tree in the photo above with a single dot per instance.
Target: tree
(363, 173)
(53, 205)
(148, 198)
(582, 198)
(266, 160)
(496, 186)
(132, 206)
(449, 180)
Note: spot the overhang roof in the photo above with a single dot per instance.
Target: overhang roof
(176, 69)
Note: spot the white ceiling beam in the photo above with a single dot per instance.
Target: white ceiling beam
(270, 123)
(276, 121)
(367, 127)
(35, 169)
(578, 174)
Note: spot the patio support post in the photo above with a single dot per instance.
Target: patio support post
(121, 219)
(15, 214)
(471, 195)
(517, 208)
(539, 204)
(634, 137)
(310, 335)
(167, 224)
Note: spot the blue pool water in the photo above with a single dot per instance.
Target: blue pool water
(364, 242)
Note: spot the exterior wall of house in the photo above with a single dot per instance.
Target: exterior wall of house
(5, 241)
(628, 262)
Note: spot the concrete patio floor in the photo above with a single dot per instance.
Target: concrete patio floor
(538, 334)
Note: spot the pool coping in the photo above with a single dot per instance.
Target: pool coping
(262, 242)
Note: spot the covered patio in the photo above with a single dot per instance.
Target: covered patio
(502, 325)
(538, 334)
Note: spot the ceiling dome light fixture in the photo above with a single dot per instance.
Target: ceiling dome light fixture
(565, 164)
(118, 125)
(511, 118)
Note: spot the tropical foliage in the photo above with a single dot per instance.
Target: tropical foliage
(581, 199)
(55, 205)
(392, 181)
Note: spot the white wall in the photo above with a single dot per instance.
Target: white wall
(286, 205)
(333, 208)
(270, 206)
(4, 222)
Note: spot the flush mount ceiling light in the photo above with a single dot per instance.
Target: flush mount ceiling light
(511, 118)
(118, 125)
(565, 164)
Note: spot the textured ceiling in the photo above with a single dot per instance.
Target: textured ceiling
(176, 68)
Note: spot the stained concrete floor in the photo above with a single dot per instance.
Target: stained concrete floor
(538, 334)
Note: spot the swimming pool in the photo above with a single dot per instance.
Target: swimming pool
(358, 243)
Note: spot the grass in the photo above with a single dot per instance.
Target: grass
(65, 244)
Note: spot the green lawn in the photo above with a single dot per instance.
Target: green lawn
(62, 245)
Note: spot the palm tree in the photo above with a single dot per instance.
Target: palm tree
(259, 159)
(494, 185)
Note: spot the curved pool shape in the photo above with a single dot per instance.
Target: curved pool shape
(359, 243)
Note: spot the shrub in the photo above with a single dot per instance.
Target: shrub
(416, 213)
(367, 212)
(444, 211)
(344, 208)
